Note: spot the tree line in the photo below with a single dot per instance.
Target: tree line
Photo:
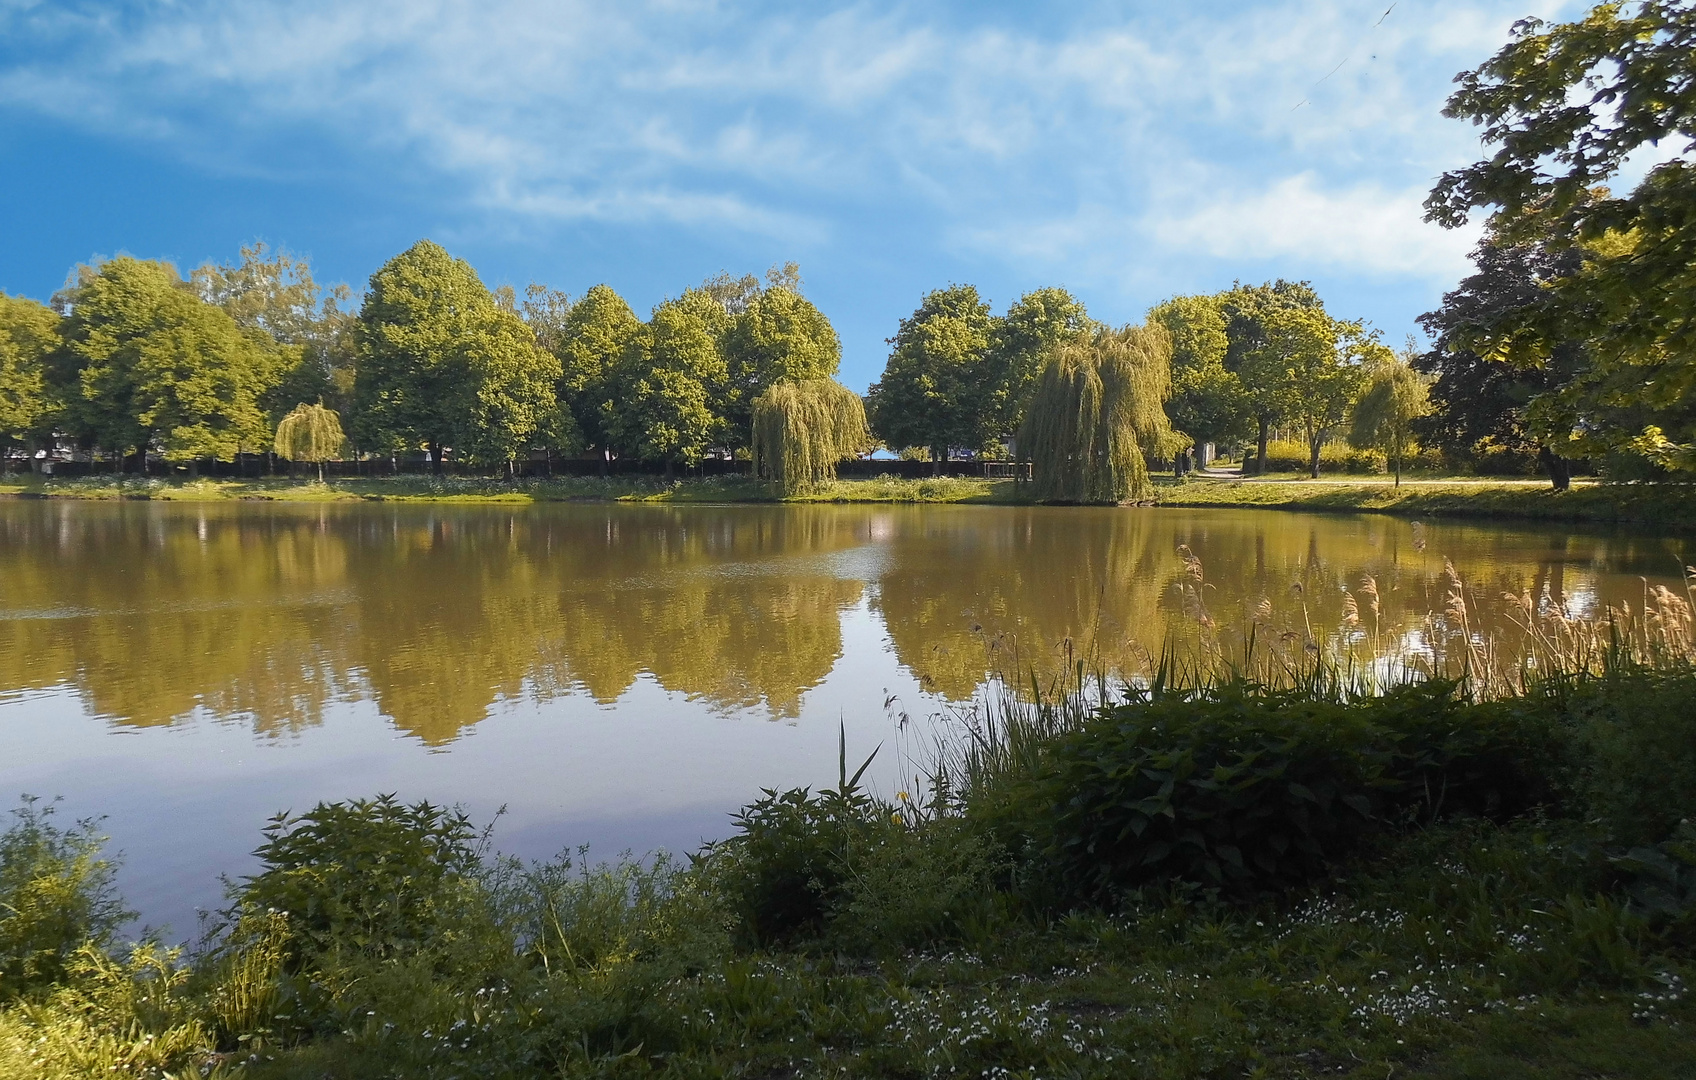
(131, 358)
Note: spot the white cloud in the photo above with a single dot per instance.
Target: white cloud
(786, 125)
(1363, 227)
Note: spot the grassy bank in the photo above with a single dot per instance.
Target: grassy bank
(1225, 881)
(1672, 505)
(414, 488)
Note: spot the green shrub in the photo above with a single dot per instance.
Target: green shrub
(1631, 749)
(368, 878)
(1246, 790)
(56, 895)
(1288, 455)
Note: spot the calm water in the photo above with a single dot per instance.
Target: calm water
(622, 676)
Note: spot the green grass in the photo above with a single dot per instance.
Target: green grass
(1671, 505)
(419, 488)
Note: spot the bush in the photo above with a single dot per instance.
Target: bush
(369, 878)
(1244, 790)
(1288, 455)
(56, 895)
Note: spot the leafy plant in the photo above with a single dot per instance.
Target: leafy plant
(56, 894)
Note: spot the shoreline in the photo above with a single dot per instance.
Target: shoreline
(1661, 505)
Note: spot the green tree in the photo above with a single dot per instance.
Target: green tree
(442, 364)
(1020, 342)
(777, 335)
(803, 429)
(1274, 331)
(667, 381)
(1564, 107)
(1325, 361)
(932, 392)
(145, 361)
(273, 294)
(1209, 402)
(1098, 409)
(592, 338)
(1393, 396)
(310, 433)
(29, 332)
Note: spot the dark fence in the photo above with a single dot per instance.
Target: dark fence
(257, 465)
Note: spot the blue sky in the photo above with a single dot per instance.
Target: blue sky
(1127, 151)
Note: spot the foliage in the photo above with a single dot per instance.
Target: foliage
(371, 877)
(595, 333)
(310, 433)
(56, 894)
(1273, 331)
(1393, 398)
(1481, 399)
(144, 359)
(442, 364)
(932, 392)
(1564, 108)
(274, 297)
(802, 429)
(1020, 342)
(28, 333)
(1245, 790)
(667, 381)
(1290, 455)
(1209, 402)
(777, 336)
(1098, 409)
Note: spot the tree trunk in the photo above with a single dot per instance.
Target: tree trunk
(436, 456)
(606, 457)
(1558, 468)
(936, 460)
(1314, 445)
(1265, 433)
(668, 467)
(1398, 470)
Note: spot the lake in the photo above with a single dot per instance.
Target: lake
(625, 676)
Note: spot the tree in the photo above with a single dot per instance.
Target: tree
(1264, 331)
(932, 390)
(1209, 402)
(310, 433)
(272, 295)
(802, 429)
(1393, 397)
(1479, 400)
(1565, 107)
(1020, 342)
(1324, 362)
(591, 339)
(441, 363)
(667, 380)
(1097, 410)
(778, 335)
(28, 335)
(145, 360)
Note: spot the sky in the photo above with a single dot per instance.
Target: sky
(1126, 151)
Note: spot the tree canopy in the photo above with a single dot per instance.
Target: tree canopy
(442, 364)
(667, 381)
(1393, 396)
(28, 335)
(1564, 108)
(145, 361)
(802, 429)
(1209, 402)
(932, 392)
(1097, 410)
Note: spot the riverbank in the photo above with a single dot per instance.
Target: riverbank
(1662, 505)
(424, 488)
(1316, 908)
(1665, 505)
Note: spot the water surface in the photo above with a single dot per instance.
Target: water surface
(626, 675)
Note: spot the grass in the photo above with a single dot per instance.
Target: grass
(1669, 505)
(423, 488)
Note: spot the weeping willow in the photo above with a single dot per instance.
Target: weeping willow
(1098, 409)
(802, 429)
(310, 433)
